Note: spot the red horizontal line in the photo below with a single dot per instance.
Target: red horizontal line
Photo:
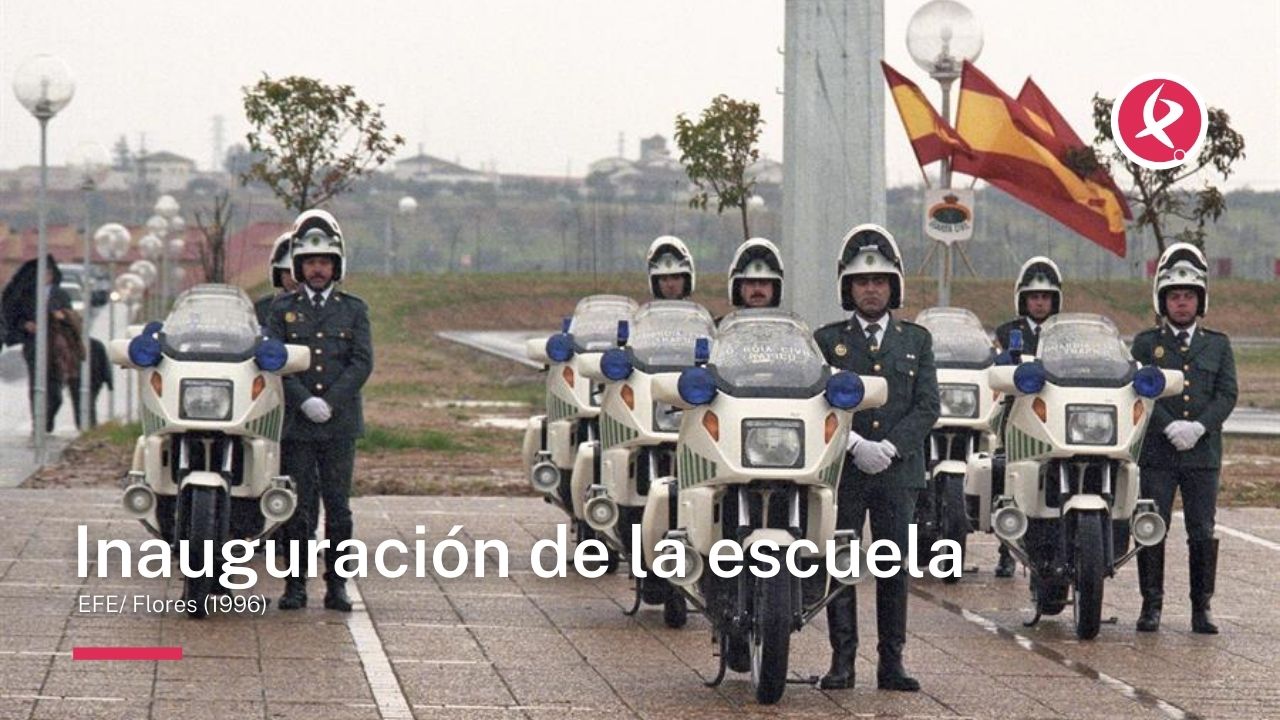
(127, 653)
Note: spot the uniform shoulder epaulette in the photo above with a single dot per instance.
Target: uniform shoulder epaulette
(1211, 331)
(348, 296)
(913, 326)
(832, 326)
(1149, 331)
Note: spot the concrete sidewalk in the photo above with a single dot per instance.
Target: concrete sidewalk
(553, 648)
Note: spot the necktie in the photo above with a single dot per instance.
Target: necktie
(872, 330)
(317, 301)
(1183, 338)
(1036, 332)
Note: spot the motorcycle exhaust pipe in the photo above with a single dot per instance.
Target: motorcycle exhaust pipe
(545, 476)
(601, 513)
(1148, 528)
(1009, 523)
(139, 500)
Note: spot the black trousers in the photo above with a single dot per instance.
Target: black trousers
(321, 470)
(53, 393)
(1199, 497)
(891, 508)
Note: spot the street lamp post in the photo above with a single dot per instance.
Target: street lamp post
(44, 86)
(405, 206)
(166, 210)
(941, 35)
(152, 248)
(92, 159)
(112, 242)
(129, 287)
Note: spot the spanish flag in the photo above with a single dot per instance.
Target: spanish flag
(1043, 112)
(931, 137)
(1019, 152)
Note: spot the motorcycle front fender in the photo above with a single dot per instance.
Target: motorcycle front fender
(1085, 503)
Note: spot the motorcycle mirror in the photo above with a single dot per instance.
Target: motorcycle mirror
(624, 332)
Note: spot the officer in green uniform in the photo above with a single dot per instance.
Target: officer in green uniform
(1183, 447)
(1037, 295)
(671, 272)
(282, 281)
(324, 414)
(884, 469)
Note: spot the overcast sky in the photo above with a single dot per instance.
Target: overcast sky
(543, 86)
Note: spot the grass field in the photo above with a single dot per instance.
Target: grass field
(416, 443)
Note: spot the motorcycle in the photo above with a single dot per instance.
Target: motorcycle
(560, 449)
(1073, 436)
(638, 434)
(207, 466)
(948, 508)
(758, 459)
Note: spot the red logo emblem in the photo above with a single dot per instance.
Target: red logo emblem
(1159, 122)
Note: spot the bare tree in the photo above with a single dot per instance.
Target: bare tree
(214, 226)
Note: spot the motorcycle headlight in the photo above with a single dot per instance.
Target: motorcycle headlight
(666, 418)
(958, 400)
(772, 443)
(205, 399)
(1091, 424)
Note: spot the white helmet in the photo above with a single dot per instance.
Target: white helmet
(316, 232)
(281, 262)
(869, 249)
(1181, 265)
(756, 259)
(1039, 274)
(668, 256)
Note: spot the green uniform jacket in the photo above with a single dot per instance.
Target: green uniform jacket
(905, 360)
(1209, 397)
(341, 361)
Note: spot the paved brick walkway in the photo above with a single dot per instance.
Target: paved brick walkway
(536, 648)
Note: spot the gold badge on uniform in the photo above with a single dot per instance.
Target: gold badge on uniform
(290, 316)
(841, 350)
(1159, 352)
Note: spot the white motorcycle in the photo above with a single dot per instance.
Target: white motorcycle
(1073, 437)
(760, 450)
(947, 508)
(560, 447)
(207, 466)
(638, 434)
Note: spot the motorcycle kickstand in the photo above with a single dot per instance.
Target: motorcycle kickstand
(1032, 622)
(635, 607)
(723, 657)
(1113, 620)
(811, 680)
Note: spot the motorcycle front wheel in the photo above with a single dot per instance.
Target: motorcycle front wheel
(203, 523)
(771, 637)
(954, 517)
(1090, 574)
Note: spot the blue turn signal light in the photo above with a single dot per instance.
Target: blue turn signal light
(845, 390)
(615, 364)
(560, 347)
(271, 354)
(697, 386)
(145, 350)
(1029, 378)
(1149, 382)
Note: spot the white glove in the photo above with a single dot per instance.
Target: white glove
(873, 457)
(1184, 434)
(317, 410)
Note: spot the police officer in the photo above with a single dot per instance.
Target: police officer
(755, 275)
(1037, 295)
(282, 281)
(1183, 447)
(324, 413)
(671, 271)
(884, 469)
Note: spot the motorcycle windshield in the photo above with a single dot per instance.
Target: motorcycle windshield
(664, 333)
(1083, 349)
(211, 322)
(959, 340)
(595, 321)
(767, 353)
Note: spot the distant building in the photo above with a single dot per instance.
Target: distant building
(426, 170)
(167, 172)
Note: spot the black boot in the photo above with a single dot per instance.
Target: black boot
(1006, 564)
(1204, 571)
(890, 675)
(842, 630)
(335, 596)
(1151, 584)
(295, 594)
